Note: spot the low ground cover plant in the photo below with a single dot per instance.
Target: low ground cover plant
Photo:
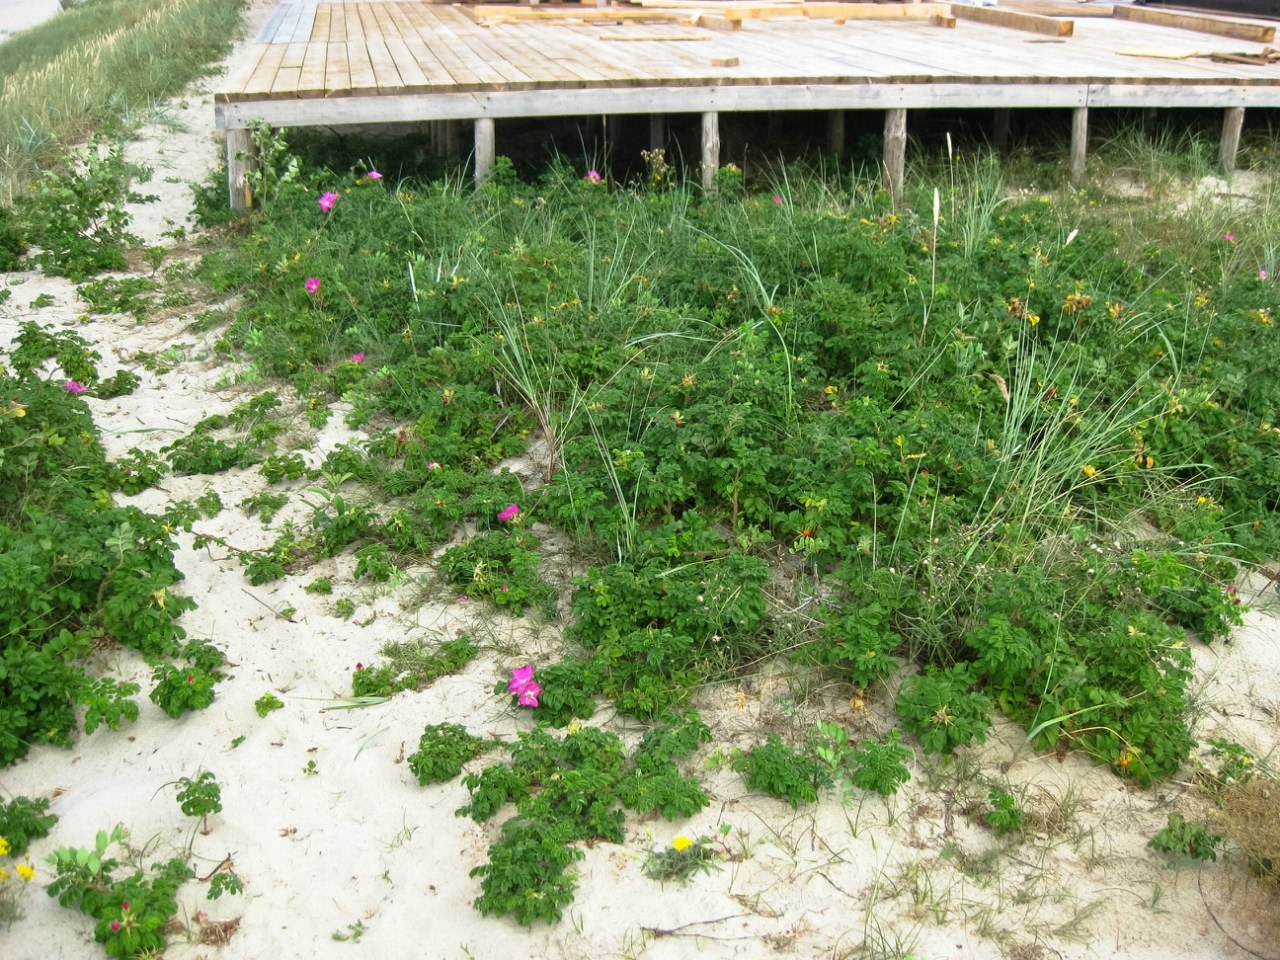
(80, 570)
(1037, 503)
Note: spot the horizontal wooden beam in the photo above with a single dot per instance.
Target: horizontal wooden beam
(1029, 22)
(732, 96)
(838, 11)
(1199, 23)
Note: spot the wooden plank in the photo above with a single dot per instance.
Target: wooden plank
(1030, 22)
(412, 76)
(320, 26)
(361, 66)
(311, 76)
(541, 13)
(867, 95)
(285, 83)
(337, 24)
(664, 37)
(293, 55)
(841, 11)
(719, 24)
(1199, 23)
(306, 22)
(337, 69)
(264, 75)
(441, 49)
(285, 26)
(436, 72)
(243, 72)
(384, 66)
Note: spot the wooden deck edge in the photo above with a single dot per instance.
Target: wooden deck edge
(742, 94)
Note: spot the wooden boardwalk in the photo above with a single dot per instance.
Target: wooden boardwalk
(328, 62)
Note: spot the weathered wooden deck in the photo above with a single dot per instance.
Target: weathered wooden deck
(327, 62)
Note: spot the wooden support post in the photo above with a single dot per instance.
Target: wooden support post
(776, 127)
(657, 131)
(436, 128)
(835, 133)
(484, 149)
(451, 129)
(895, 150)
(710, 149)
(1079, 143)
(239, 163)
(1003, 132)
(1232, 124)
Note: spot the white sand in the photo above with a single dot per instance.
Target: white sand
(361, 841)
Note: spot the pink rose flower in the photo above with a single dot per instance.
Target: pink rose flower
(521, 677)
(529, 695)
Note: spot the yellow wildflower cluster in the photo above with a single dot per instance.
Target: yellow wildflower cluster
(681, 844)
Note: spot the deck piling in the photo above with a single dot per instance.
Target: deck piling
(239, 163)
(1079, 143)
(1232, 125)
(484, 149)
(1002, 133)
(895, 151)
(835, 133)
(710, 149)
(657, 131)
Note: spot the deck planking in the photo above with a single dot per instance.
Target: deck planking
(311, 49)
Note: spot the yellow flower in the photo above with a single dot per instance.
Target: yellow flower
(1089, 470)
(4, 846)
(25, 872)
(4, 875)
(681, 843)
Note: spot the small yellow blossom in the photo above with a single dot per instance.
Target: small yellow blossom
(26, 872)
(681, 843)
(1089, 470)
(4, 847)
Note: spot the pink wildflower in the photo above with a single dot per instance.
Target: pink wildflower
(312, 286)
(124, 907)
(75, 386)
(593, 176)
(327, 201)
(357, 358)
(115, 926)
(521, 677)
(529, 695)
(432, 465)
(374, 175)
(1262, 274)
(777, 198)
(359, 667)
(1229, 237)
(504, 588)
(510, 513)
